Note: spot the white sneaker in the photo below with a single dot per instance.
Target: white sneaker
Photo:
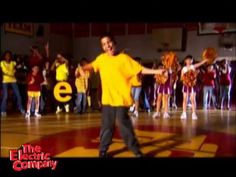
(183, 115)
(194, 116)
(166, 115)
(131, 109)
(37, 115)
(3, 114)
(156, 114)
(58, 110)
(135, 114)
(175, 106)
(27, 115)
(67, 108)
(189, 105)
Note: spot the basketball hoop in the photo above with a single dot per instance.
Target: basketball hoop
(220, 29)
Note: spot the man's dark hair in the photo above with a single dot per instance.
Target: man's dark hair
(108, 35)
(188, 56)
(83, 61)
(138, 59)
(7, 52)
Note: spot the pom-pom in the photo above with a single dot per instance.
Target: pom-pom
(210, 54)
(161, 78)
(190, 78)
(170, 60)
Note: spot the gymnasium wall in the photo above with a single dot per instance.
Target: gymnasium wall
(85, 41)
(143, 46)
(20, 44)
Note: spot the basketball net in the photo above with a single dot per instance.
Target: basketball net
(220, 28)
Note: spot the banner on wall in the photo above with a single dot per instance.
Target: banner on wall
(26, 29)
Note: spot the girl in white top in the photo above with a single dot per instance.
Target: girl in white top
(189, 90)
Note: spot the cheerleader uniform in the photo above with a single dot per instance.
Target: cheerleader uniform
(166, 87)
(188, 89)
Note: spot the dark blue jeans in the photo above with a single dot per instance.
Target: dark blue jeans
(81, 98)
(146, 103)
(4, 96)
(225, 94)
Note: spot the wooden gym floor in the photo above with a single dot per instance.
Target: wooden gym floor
(72, 135)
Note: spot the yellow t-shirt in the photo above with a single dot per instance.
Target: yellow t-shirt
(136, 81)
(61, 72)
(116, 73)
(81, 82)
(8, 70)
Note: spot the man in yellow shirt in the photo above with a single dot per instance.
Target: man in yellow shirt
(8, 71)
(116, 70)
(62, 73)
(81, 83)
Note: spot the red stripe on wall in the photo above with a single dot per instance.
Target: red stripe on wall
(81, 29)
(98, 29)
(136, 28)
(117, 28)
(64, 29)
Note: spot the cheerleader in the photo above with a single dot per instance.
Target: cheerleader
(163, 91)
(173, 82)
(187, 90)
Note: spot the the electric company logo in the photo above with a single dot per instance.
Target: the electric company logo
(31, 157)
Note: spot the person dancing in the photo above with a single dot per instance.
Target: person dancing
(116, 70)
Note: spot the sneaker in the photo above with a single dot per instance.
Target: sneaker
(37, 115)
(3, 114)
(166, 115)
(183, 115)
(149, 111)
(22, 111)
(175, 106)
(156, 114)
(27, 115)
(103, 155)
(194, 116)
(67, 108)
(131, 109)
(135, 113)
(75, 109)
(139, 154)
(58, 110)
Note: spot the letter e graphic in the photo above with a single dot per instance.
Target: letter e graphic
(58, 90)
